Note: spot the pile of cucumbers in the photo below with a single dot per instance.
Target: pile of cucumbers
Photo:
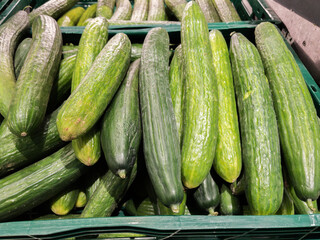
(109, 125)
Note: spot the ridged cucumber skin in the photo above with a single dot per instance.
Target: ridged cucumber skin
(38, 182)
(156, 11)
(123, 11)
(177, 7)
(121, 125)
(298, 123)
(21, 54)
(301, 207)
(69, 50)
(87, 147)
(200, 123)
(145, 208)
(207, 195)
(28, 106)
(209, 10)
(84, 107)
(176, 79)
(287, 205)
(226, 11)
(108, 194)
(52, 8)
(81, 199)
(227, 161)
(105, 8)
(160, 133)
(10, 33)
(140, 10)
(90, 12)
(16, 152)
(71, 17)
(229, 204)
(64, 202)
(258, 125)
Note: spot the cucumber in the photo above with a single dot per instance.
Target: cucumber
(226, 11)
(90, 12)
(258, 125)
(176, 7)
(10, 33)
(121, 125)
(227, 161)
(176, 79)
(140, 10)
(71, 17)
(200, 121)
(148, 22)
(105, 8)
(298, 123)
(156, 10)
(69, 50)
(207, 195)
(123, 11)
(65, 201)
(87, 147)
(93, 178)
(229, 204)
(81, 199)
(301, 207)
(98, 87)
(28, 106)
(21, 54)
(136, 49)
(38, 182)
(209, 10)
(287, 205)
(160, 134)
(238, 187)
(139, 208)
(53, 216)
(53, 8)
(163, 210)
(16, 152)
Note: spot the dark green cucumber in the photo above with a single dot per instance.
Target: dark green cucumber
(207, 195)
(28, 106)
(123, 11)
(258, 125)
(81, 199)
(163, 210)
(298, 123)
(38, 182)
(90, 99)
(229, 204)
(65, 201)
(301, 207)
(140, 10)
(87, 147)
(226, 11)
(156, 10)
(209, 10)
(89, 13)
(105, 8)
(16, 152)
(176, 7)
(200, 123)
(287, 205)
(71, 17)
(227, 162)
(121, 125)
(10, 33)
(53, 8)
(176, 79)
(21, 54)
(160, 133)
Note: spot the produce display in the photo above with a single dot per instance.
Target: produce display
(213, 125)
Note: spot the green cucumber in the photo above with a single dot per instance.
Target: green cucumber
(105, 8)
(52, 8)
(87, 147)
(209, 10)
(163, 210)
(38, 182)
(71, 17)
(21, 54)
(148, 22)
(301, 207)
(81, 199)
(176, 7)
(89, 13)
(10, 33)
(226, 11)
(54, 216)
(160, 133)
(140, 10)
(200, 123)
(16, 152)
(259, 131)
(136, 49)
(123, 11)
(121, 125)
(238, 186)
(156, 10)
(93, 177)
(69, 50)
(65, 201)
(298, 123)
(90, 99)
(145, 208)
(28, 106)
(229, 204)
(227, 162)
(287, 205)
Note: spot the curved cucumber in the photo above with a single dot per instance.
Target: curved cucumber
(105, 8)
(21, 54)
(89, 13)
(71, 17)
(64, 202)
(140, 10)
(229, 204)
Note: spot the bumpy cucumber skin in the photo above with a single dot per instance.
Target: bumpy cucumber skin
(156, 10)
(200, 123)
(140, 10)
(177, 7)
(259, 131)
(121, 125)
(226, 11)
(28, 106)
(229, 204)
(83, 108)
(21, 54)
(10, 33)
(64, 202)
(227, 162)
(105, 8)
(71, 17)
(298, 123)
(89, 13)
(123, 11)
(160, 134)
(209, 10)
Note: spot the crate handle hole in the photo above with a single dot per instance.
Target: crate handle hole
(313, 88)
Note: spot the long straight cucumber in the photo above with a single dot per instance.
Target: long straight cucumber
(123, 11)
(140, 10)
(156, 10)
